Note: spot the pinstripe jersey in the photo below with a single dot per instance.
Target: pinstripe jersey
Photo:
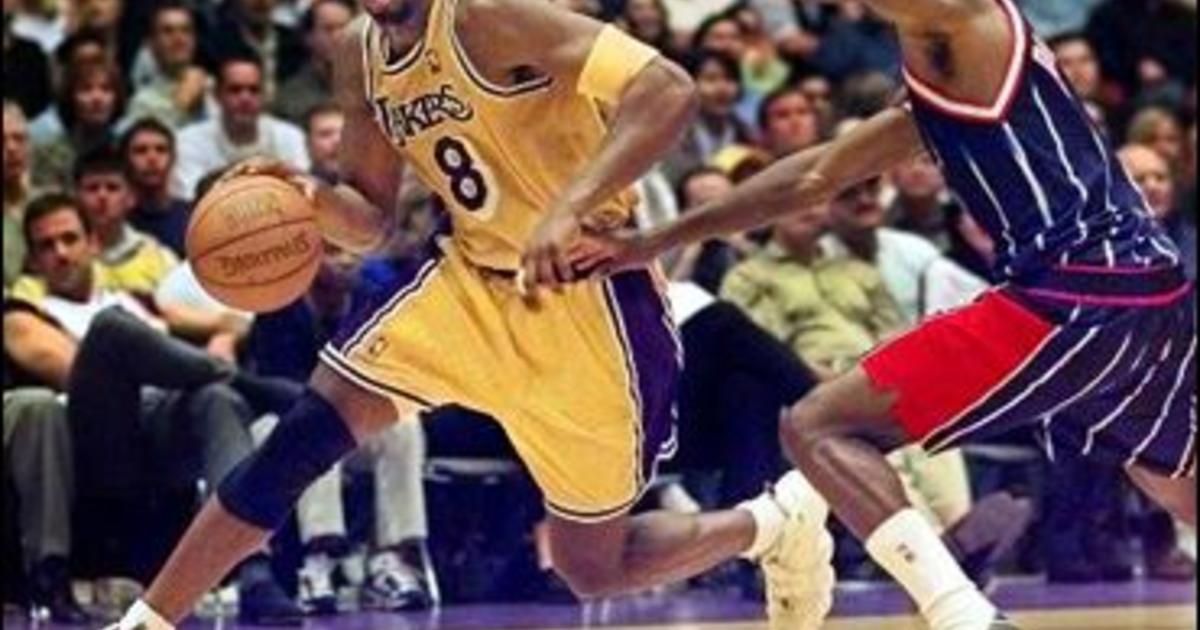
(1036, 173)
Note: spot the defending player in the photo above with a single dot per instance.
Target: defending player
(531, 122)
(1092, 338)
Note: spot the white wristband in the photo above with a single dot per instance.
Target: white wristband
(141, 616)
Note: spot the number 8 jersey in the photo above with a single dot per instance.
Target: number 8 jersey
(497, 155)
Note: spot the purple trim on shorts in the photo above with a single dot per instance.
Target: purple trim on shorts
(654, 359)
(388, 284)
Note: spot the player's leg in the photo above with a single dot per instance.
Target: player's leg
(624, 554)
(1176, 494)
(839, 436)
(329, 420)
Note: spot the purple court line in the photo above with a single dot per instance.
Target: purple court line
(853, 600)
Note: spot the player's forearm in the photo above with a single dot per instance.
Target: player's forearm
(651, 116)
(350, 221)
(788, 185)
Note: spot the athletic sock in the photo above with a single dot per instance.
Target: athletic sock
(141, 616)
(906, 546)
(769, 520)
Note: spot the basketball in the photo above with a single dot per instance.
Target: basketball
(253, 243)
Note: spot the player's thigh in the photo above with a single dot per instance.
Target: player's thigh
(1176, 494)
(365, 412)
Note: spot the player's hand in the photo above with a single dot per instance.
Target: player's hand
(304, 182)
(613, 252)
(547, 260)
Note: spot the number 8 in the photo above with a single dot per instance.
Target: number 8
(468, 184)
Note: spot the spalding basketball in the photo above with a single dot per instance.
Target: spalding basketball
(254, 243)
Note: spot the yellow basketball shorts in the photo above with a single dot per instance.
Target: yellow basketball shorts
(583, 380)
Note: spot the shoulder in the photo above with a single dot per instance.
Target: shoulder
(197, 131)
(283, 128)
(27, 289)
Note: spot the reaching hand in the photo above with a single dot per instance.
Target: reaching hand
(548, 254)
(613, 252)
(305, 183)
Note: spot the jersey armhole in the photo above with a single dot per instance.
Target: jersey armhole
(998, 108)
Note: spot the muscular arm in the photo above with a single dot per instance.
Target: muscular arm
(359, 213)
(807, 180)
(649, 118)
(39, 348)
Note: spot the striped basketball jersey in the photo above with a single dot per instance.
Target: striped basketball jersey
(1036, 173)
(498, 155)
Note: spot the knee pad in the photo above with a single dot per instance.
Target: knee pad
(309, 439)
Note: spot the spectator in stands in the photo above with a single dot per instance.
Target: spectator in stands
(240, 129)
(148, 149)
(922, 201)
(17, 189)
(914, 272)
(1149, 170)
(312, 84)
(245, 27)
(137, 261)
(91, 100)
(323, 128)
(38, 466)
(648, 21)
(79, 50)
(718, 85)
(26, 70)
(39, 21)
(1144, 45)
(706, 263)
(172, 86)
(104, 17)
(819, 91)
(789, 122)
(1159, 128)
(131, 440)
(1079, 64)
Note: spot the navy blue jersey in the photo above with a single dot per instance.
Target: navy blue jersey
(1036, 173)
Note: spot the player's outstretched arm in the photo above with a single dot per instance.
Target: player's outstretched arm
(358, 214)
(651, 100)
(806, 181)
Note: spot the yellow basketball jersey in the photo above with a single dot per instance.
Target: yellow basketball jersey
(497, 155)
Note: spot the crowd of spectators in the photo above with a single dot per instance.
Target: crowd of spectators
(128, 392)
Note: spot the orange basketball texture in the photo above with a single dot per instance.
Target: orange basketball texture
(254, 243)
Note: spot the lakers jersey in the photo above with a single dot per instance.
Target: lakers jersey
(498, 155)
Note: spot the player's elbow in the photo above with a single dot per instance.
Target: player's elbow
(673, 93)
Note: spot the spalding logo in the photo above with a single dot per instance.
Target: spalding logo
(246, 263)
(251, 211)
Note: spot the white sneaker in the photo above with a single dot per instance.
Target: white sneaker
(315, 588)
(798, 567)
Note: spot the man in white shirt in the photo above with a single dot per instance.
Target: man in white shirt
(240, 130)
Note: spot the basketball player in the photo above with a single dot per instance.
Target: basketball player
(1091, 339)
(531, 122)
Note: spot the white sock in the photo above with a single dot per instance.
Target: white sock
(907, 547)
(141, 616)
(769, 519)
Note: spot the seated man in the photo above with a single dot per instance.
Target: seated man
(38, 468)
(70, 325)
(833, 309)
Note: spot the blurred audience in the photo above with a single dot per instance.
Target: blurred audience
(240, 129)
